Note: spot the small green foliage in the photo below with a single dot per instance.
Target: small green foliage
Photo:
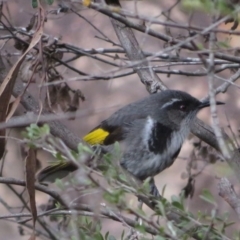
(82, 148)
(140, 228)
(223, 44)
(200, 46)
(117, 150)
(163, 190)
(184, 223)
(107, 158)
(160, 238)
(172, 228)
(115, 196)
(161, 206)
(58, 205)
(98, 236)
(49, 2)
(178, 205)
(60, 183)
(207, 196)
(178, 202)
(140, 212)
(145, 187)
(218, 6)
(34, 132)
(111, 237)
(106, 236)
(122, 235)
(111, 173)
(229, 224)
(225, 216)
(122, 178)
(59, 156)
(34, 3)
(236, 235)
(197, 5)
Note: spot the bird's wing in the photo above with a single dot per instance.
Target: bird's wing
(107, 134)
(114, 128)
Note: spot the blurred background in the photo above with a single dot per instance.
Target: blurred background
(103, 97)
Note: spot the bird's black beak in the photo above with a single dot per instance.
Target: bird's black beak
(207, 104)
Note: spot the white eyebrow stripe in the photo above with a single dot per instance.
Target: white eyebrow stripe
(171, 102)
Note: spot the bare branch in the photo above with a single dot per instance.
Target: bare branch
(227, 192)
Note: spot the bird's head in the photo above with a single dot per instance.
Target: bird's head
(180, 107)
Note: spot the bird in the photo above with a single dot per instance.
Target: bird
(151, 132)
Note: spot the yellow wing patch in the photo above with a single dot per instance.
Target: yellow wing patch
(96, 137)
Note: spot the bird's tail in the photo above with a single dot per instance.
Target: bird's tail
(61, 169)
(57, 170)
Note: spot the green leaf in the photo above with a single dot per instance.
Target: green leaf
(98, 236)
(49, 2)
(160, 238)
(98, 227)
(59, 156)
(207, 196)
(213, 213)
(59, 183)
(145, 186)
(45, 129)
(178, 205)
(58, 205)
(117, 150)
(35, 132)
(200, 46)
(140, 228)
(223, 44)
(111, 238)
(34, 3)
(184, 223)
(161, 208)
(198, 5)
(163, 190)
(175, 198)
(123, 178)
(229, 224)
(225, 216)
(115, 196)
(122, 235)
(82, 148)
(171, 228)
(106, 236)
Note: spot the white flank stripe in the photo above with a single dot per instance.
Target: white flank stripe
(148, 129)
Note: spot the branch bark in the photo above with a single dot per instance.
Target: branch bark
(130, 44)
(30, 104)
(227, 192)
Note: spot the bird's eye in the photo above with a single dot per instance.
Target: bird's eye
(182, 107)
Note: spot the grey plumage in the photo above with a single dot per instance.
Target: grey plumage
(151, 132)
(157, 117)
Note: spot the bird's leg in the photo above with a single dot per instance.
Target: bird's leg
(137, 219)
(97, 150)
(153, 189)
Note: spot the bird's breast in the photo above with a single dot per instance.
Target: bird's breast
(164, 145)
(150, 151)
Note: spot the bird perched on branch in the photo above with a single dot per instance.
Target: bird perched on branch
(151, 132)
